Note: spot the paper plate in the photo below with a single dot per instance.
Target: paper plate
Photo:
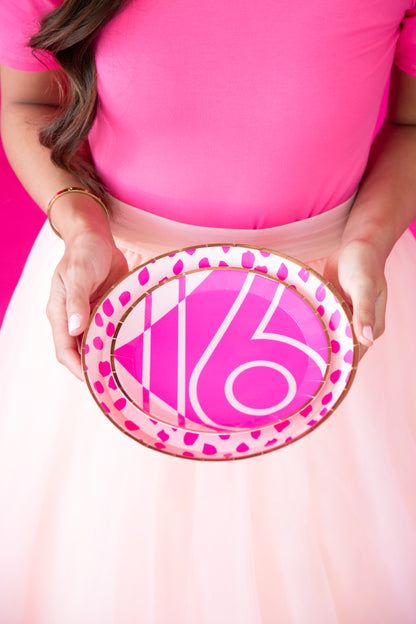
(219, 352)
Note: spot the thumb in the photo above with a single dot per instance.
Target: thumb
(78, 292)
(363, 295)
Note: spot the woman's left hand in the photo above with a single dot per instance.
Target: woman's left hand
(357, 272)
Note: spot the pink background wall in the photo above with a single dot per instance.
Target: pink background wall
(20, 221)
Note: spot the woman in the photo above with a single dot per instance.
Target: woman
(242, 117)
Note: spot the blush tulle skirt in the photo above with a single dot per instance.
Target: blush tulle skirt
(96, 529)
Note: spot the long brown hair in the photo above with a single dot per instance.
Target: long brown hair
(68, 33)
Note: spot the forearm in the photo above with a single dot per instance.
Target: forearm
(386, 202)
(20, 124)
(31, 161)
(29, 100)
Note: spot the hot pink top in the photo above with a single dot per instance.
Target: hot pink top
(235, 114)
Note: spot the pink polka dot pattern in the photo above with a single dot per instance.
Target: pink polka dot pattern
(326, 399)
(348, 357)
(282, 425)
(334, 377)
(204, 263)
(282, 272)
(163, 436)
(190, 438)
(125, 297)
(270, 442)
(247, 260)
(335, 346)
(108, 308)
(98, 343)
(99, 387)
(178, 268)
(104, 368)
(179, 438)
(143, 276)
(320, 293)
(209, 449)
(131, 426)
(335, 319)
(120, 404)
(110, 329)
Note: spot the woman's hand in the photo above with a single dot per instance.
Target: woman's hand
(384, 207)
(90, 266)
(357, 272)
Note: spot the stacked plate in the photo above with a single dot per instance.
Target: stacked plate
(219, 352)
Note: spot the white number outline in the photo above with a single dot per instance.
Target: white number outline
(259, 334)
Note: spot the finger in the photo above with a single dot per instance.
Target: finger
(366, 321)
(381, 303)
(362, 350)
(79, 284)
(66, 347)
(68, 356)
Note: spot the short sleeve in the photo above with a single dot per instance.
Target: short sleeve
(19, 20)
(405, 57)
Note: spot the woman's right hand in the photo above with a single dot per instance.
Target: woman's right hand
(90, 265)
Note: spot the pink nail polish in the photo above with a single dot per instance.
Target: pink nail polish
(368, 333)
(74, 323)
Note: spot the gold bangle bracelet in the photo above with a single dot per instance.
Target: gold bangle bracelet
(73, 189)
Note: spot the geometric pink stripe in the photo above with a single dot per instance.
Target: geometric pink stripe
(182, 287)
(181, 352)
(148, 311)
(146, 400)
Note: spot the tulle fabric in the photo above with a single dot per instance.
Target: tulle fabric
(96, 529)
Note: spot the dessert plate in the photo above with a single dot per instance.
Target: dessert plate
(219, 352)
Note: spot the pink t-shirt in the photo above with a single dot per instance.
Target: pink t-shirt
(235, 114)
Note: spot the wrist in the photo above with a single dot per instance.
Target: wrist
(363, 247)
(385, 203)
(372, 222)
(74, 213)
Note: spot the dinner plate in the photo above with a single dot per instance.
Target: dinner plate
(219, 352)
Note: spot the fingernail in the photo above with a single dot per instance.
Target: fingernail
(74, 323)
(368, 333)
